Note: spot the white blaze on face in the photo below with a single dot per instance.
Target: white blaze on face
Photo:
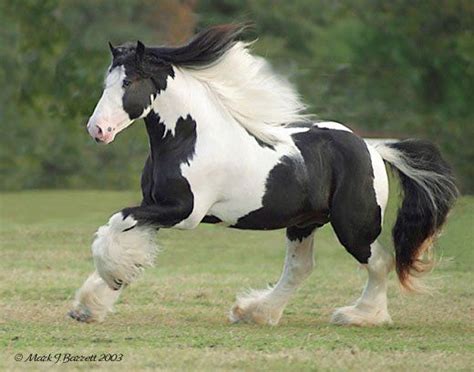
(109, 116)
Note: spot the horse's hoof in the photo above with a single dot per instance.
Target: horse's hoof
(81, 315)
(354, 316)
(254, 307)
(236, 314)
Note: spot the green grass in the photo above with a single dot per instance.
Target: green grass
(174, 317)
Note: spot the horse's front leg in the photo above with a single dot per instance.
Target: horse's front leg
(93, 300)
(122, 249)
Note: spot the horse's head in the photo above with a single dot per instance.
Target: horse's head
(134, 79)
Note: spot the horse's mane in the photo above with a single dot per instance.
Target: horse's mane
(203, 49)
(257, 98)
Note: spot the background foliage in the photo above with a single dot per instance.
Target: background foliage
(387, 69)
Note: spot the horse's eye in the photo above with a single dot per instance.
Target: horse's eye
(126, 83)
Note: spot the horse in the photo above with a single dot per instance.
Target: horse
(230, 143)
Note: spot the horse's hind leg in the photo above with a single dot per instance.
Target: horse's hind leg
(266, 306)
(371, 307)
(357, 228)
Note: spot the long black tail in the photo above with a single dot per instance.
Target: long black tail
(429, 194)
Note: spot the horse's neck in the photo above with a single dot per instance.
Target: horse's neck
(185, 95)
(223, 149)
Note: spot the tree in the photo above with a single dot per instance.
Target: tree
(53, 55)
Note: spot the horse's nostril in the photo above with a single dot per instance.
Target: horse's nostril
(99, 130)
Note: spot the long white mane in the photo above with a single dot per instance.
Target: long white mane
(257, 98)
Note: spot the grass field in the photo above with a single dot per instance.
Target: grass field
(175, 316)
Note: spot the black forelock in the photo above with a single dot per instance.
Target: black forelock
(124, 54)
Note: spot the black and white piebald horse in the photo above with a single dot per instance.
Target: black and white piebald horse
(229, 144)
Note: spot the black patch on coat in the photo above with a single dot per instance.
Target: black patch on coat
(287, 200)
(167, 196)
(211, 219)
(145, 77)
(334, 184)
(294, 233)
(137, 97)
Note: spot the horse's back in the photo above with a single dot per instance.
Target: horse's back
(332, 174)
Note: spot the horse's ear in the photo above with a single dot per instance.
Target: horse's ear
(113, 50)
(140, 51)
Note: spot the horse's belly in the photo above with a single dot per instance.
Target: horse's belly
(269, 217)
(230, 211)
(264, 219)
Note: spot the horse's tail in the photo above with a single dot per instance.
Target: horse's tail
(429, 192)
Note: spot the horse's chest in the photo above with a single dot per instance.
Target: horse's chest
(162, 180)
(169, 183)
(163, 183)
